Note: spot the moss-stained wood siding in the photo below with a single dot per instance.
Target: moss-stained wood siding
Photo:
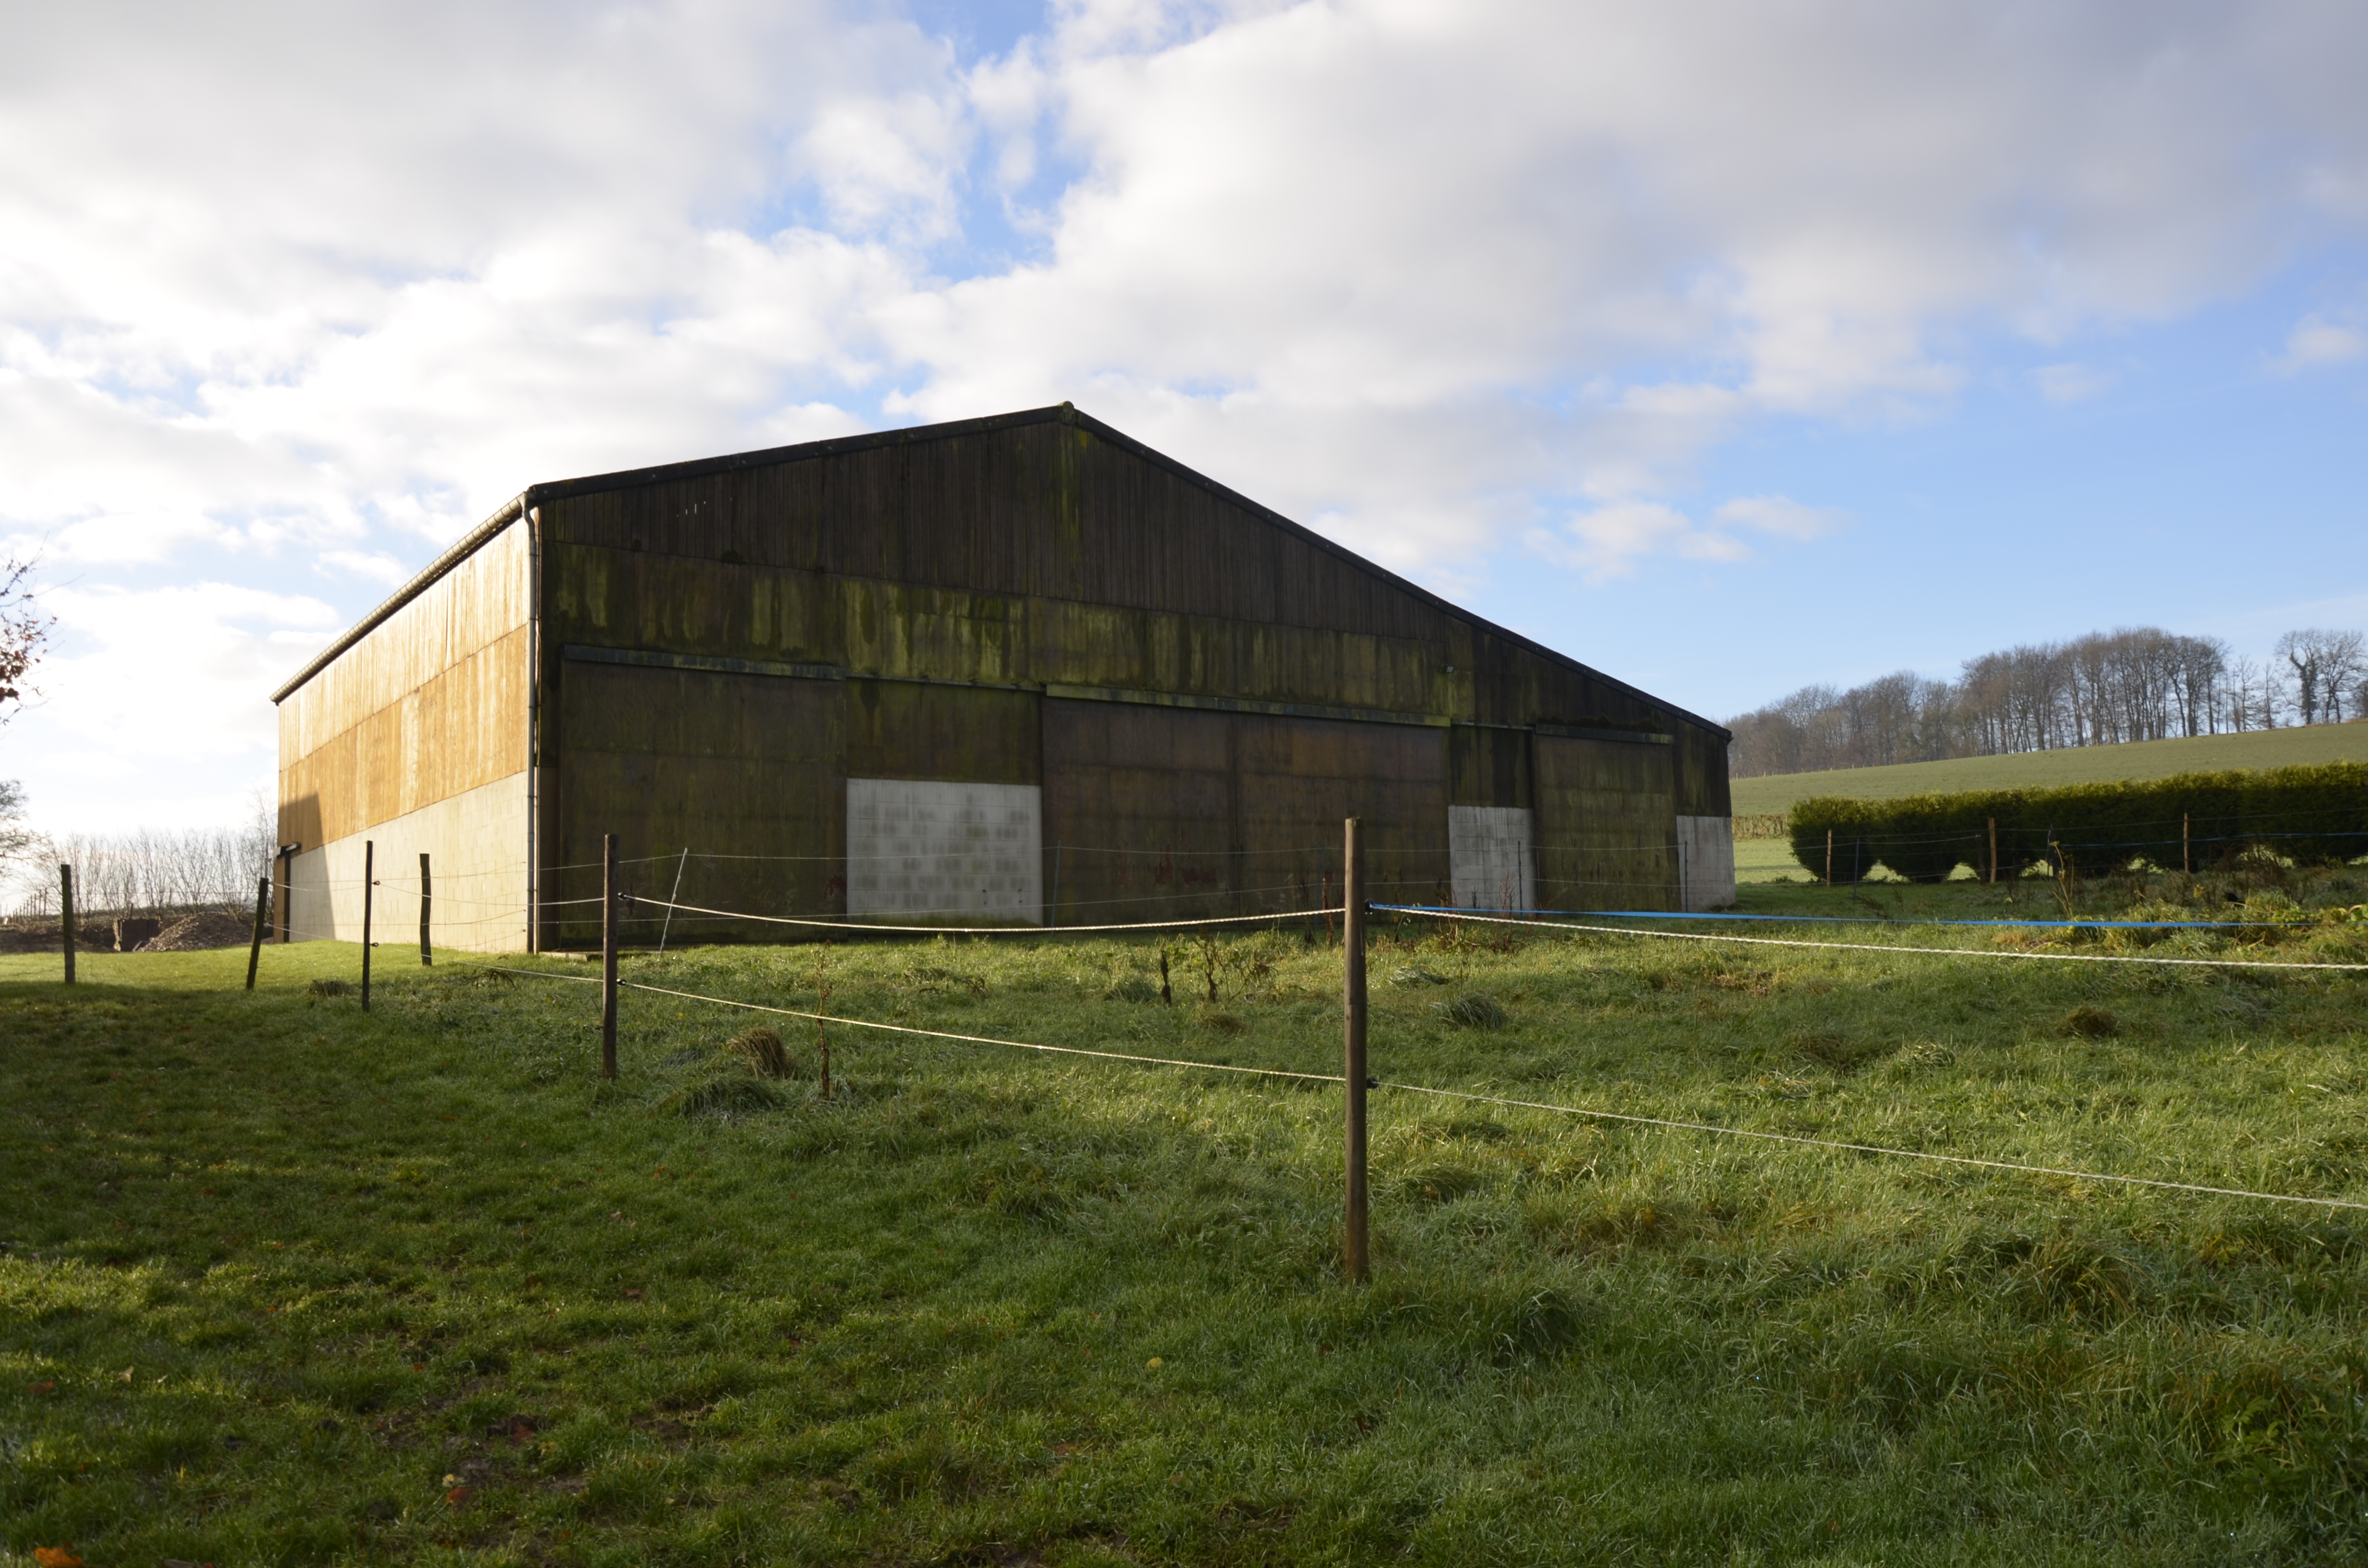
(747, 772)
(1032, 553)
(1606, 823)
(1164, 810)
(430, 704)
(954, 574)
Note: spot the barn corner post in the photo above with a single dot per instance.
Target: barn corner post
(369, 862)
(65, 915)
(1354, 1258)
(262, 923)
(607, 955)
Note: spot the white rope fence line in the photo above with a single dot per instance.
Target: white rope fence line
(1875, 1148)
(1867, 947)
(1477, 1097)
(984, 930)
(982, 1040)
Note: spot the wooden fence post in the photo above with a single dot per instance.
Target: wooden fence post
(2186, 856)
(262, 919)
(370, 866)
(65, 918)
(1353, 969)
(426, 952)
(1994, 849)
(607, 955)
(1829, 856)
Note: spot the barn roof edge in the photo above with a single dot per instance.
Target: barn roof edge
(1063, 413)
(459, 549)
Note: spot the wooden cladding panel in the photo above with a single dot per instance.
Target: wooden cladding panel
(476, 604)
(1488, 767)
(1044, 553)
(463, 728)
(1109, 559)
(748, 769)
(968, 735)
(1606, 825)
(1158, 811)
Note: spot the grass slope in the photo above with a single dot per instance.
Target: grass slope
(2048, 770)
(283, 1282)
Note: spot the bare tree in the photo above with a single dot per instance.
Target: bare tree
(2134, 684)
(2324, 664)
(2346, 663)
(23, 629)
(17, 840)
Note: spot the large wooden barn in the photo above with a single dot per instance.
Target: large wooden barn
(1016, 669)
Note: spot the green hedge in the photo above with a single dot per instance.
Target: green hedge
(2311, 815)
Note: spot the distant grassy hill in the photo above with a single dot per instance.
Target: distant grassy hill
(2078, 765)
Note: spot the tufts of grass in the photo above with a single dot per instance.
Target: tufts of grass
(724, 1094)
(760, 1051)
(990, 1306)
(2086, 1022)
(1477, 1011)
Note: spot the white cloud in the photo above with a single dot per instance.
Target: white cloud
(295, 286)
(2070, 382)
(158, 695)
(1783, 517)
(1609, 540)
(2316, 341)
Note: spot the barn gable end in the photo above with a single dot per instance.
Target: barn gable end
(1188, 691)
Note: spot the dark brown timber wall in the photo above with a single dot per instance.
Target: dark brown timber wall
(1162, 810)
(1037, 599)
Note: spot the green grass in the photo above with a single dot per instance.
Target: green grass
(2050, 770)
(287, 1283)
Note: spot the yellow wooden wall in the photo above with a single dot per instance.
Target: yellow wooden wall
(431, 703)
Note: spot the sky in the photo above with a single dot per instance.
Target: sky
(1727, 345)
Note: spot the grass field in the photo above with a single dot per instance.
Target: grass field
(283, 1282)
(2048, 770)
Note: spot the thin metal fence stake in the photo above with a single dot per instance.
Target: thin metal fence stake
(668, 924)
(65, 918)
(427, 897)
(607, 955)
(370, 863)
(1353, 969)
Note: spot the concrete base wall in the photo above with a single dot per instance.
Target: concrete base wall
(1706, 856)
(1488, 851)
(476, 842)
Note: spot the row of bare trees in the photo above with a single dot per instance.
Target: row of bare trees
(145, 872)
(2136, 683)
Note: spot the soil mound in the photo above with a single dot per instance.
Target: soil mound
(208, 928)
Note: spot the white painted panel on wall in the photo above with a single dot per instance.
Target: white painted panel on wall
(1706, 861)
(918, 847)
(1488, 856)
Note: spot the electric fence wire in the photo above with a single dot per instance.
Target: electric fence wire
(1439, 913)
(2075, 921)
(1670, 1124)
(990, 930)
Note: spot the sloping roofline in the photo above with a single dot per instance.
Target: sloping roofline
(1064, 414)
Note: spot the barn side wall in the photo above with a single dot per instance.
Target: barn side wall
(418, 736)
(1188, 683)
